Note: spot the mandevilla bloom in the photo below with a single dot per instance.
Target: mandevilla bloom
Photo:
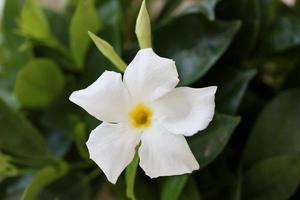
(145, 107)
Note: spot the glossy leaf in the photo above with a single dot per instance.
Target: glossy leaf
(232, 84)
(208, 144)
(196, 49)
(248, 11)
(18, 137)
(43, 178)
(39, 83)
(277, 128)
(206, 7)
(84, 20)
(284, 31)
(276, 178)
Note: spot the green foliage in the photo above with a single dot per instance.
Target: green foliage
(43, 178)
(7, 169)
(83, 20)
(173, 187)
(38, 83)
(16, 131)
(108, 51)
(248, 48)
(200, 49)
(130, 176)
(208, 144)
(280, 115)
(34, 24)
(275, 178)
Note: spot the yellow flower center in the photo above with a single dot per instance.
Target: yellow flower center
(140, 116)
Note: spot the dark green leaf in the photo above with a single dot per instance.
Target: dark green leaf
(70, 187)
(111, 14)
(38, 83)
(284, 32)
(173, 187)
(43, 178)
(276, 178)
(18, 137)
(206, 7)
(190, 191)
(276, 131)
(208, 144)
(232, 84)
(249, 13)
(197, 48)
(84, 20)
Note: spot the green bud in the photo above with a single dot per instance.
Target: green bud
(143, 27)
(108, 51)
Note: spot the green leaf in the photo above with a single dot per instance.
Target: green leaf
(70, 187)
(12, 58)
(33, 23)
(80, 135)
(112, 16)
(19, 138)
(130, 176)
(108, 51)
(204, 6)
(198, 47)
(190, 191)
(208, 144)
(173, 186)
(43, 178)
(143, 27)
(39, 83)
(221, 178)
(232, 84)
(284, 32)
(276, 178)
(84, 20)
(6, 168)
(249, 13)
(11, 11)
(276, 131)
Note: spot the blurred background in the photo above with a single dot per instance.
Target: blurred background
(250, 49)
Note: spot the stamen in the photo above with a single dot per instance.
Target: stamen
(140, 116)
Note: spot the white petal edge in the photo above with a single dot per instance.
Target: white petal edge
(165, 154)
(112, 148)
(107, 98)
(186, 110)
(150, 76)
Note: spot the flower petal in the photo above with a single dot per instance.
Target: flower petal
(112, 147)
(165, 154)
(186, 110)
(150, 76)
(107, 98)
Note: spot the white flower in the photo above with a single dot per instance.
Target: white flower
(145, 107)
